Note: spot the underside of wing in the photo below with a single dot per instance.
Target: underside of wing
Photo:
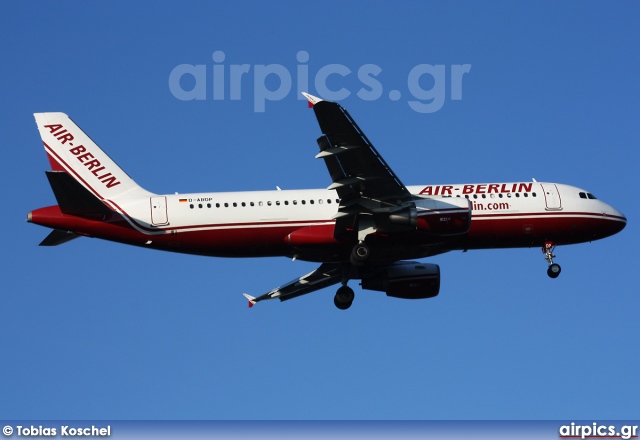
(326, 275)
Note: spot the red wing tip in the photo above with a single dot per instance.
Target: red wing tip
(252, 300)
(312, 100)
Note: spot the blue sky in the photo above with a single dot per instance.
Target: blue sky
(96, 330)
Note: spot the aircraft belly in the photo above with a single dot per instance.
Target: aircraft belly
(534, 229)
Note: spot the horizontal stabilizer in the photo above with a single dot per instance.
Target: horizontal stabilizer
(57, 237)
(73, 198)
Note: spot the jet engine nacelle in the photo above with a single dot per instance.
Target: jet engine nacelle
(439, 216)
(396, 220)
(405, 279)
(445, 216)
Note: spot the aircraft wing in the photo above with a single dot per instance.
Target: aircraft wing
(356, 168)
(326, 275)
(361, 177)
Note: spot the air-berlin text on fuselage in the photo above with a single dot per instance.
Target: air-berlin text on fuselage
(80, 152)
(484, 188)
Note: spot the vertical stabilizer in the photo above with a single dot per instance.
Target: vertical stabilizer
(70, 150)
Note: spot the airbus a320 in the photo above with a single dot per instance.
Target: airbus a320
(367, 225)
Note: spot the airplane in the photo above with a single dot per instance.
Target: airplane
(366, 225)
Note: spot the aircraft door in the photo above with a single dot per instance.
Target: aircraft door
(551, 196)
(159, 211)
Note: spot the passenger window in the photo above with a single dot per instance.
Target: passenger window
(517, 194)
(217, 205)
(269, 203)
(526, 194)
(199, 205)
(303, 202)
(252, 204)
(311, 201)
(278, 202)
(286, 202)
(208, 205)
(191, 206)
(329, 201)
(235, 205)
(226, 205)
(244, 204)
(320, 201)
(500, 195)
(295, 202)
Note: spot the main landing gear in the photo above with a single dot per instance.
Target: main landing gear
(360, 254)
(554, 269)
(344, 297)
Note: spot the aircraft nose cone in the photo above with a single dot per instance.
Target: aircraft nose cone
(624, 220)
(618, 219)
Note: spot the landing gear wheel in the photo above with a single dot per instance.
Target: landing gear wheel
(344, 298)
(554, 270)
(360, 254)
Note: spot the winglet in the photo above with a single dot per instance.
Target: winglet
(252, 300)
(313, 100)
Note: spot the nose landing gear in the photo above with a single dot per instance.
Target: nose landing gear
(554, 269)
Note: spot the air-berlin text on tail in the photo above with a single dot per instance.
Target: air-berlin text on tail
(80, 152)
(484, 188)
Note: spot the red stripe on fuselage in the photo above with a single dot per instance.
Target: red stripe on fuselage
(255, 240)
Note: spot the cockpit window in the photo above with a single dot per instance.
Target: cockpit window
(584, 195)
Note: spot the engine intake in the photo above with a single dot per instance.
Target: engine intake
(405, 279)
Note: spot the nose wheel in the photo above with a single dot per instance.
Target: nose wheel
(554, 269)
